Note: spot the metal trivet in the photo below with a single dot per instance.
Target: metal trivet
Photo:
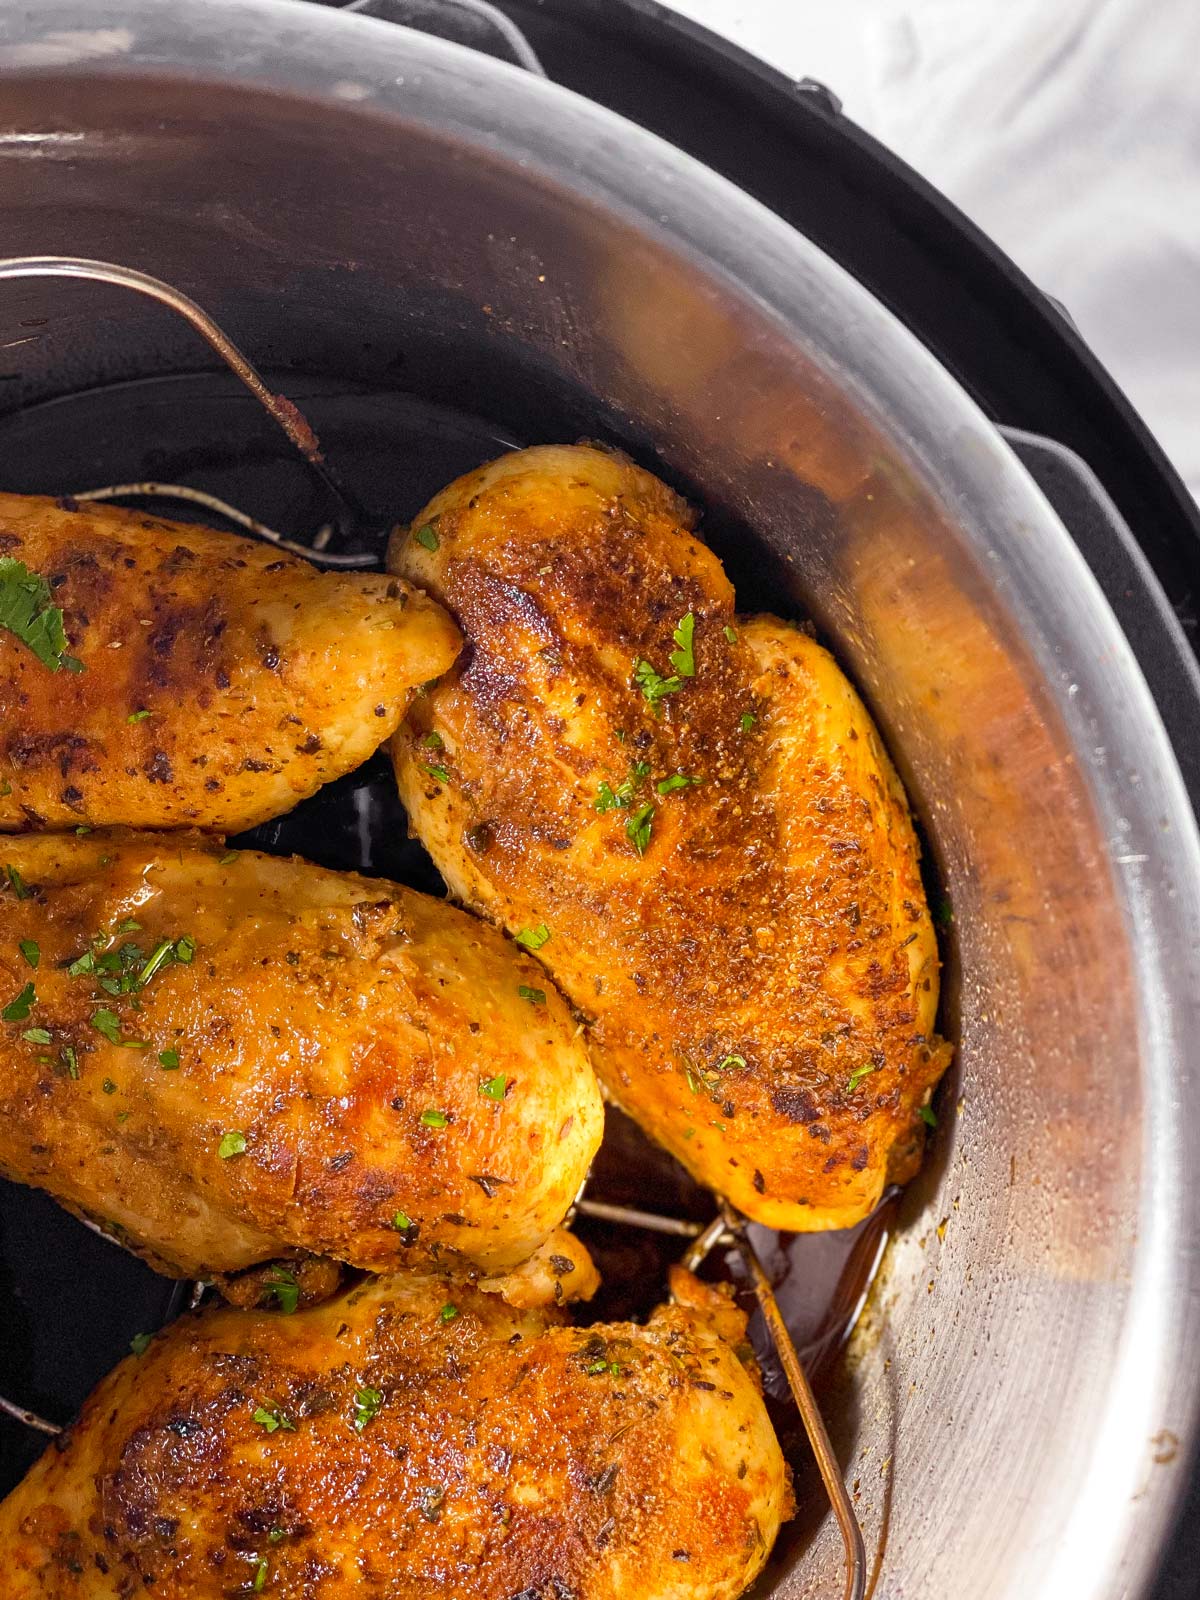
(348, 513)
(728, 1226)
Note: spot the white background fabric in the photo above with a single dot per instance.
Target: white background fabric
(1069, 130)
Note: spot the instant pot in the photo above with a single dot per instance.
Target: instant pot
(589, 218)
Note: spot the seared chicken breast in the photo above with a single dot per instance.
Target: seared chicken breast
(223, 1057)
(410, 1438)
(162, 675)
(691, 820)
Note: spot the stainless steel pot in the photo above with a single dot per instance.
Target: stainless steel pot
(349, 198)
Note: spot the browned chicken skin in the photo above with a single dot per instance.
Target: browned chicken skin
(221, 681)
(693, 817)
(410, 1438)
(223, 1056)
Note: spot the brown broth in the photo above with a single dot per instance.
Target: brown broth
(820, 1279)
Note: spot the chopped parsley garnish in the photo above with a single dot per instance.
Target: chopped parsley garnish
(137, 716)
(17, 1010)
(610, 799)
(30, 949)
(260, 1578)
(448, 1312)
(427, 537)
(439, 773)
(683, 659)
(366, 1405)
(68, 1062)
(81, 830)
(163, 951)
(285, 1290)
(232, 1144)
(19, 886)
(677, 780)
(107, 1023)
(943, 914)
(928, 1116)
(25, 611)
(533, 938)
(434, 1119)
(168, 1060)
(37, 1035)
(275, 1535)
(109, 1086)
(5, 789)
(857, 1076)
(228, 858)
(536, 997)
(494, 1088)
(730, 1061)
(140, 1343)
(432, 741)
(127, 968)
(402, 1222)
(730, 633)
(273, 1417)
(652, 683)
(747, 721)
(639, 826)
(122, 1116)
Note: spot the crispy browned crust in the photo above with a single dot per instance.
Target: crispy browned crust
(263, 678)
(322, 1016)
(761, 984)
(506, 1454)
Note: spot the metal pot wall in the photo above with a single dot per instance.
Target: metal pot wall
(355, 201)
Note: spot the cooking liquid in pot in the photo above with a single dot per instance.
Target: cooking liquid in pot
(58, 1339)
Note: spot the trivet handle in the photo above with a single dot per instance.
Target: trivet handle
(806, 1404)
(277, 406)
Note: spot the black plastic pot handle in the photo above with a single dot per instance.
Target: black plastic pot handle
(1157, 634)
